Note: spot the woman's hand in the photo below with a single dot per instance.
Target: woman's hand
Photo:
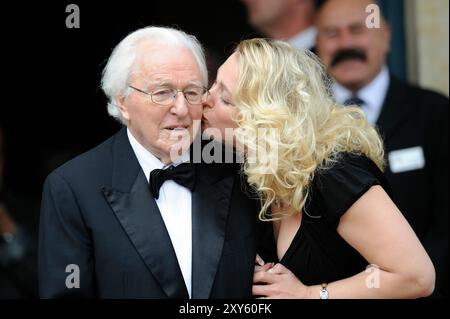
(277, 282)
(260, 265)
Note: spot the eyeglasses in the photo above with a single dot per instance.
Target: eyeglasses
(165, 95)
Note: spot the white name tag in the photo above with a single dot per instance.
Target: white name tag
(407, 159)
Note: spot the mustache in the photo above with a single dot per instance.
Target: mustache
(348, 54)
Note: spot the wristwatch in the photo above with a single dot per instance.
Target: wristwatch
(323, 292)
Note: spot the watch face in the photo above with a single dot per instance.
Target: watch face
(323, 294)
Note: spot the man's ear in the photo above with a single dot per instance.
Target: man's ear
(120, 102)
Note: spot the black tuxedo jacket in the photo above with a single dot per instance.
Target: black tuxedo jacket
(98, 214)
(413, 117)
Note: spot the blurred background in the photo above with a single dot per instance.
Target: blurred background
(53, 108)
(56, 110)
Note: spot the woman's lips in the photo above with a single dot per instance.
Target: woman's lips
(204, 121)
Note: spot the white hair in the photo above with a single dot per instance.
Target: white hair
(120, 63)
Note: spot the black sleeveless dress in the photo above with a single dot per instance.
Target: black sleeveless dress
(318, 254)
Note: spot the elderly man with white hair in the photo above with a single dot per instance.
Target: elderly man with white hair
(135, 217)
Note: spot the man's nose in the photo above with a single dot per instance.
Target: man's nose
(209, 103)
(181, 105)
(346, 40)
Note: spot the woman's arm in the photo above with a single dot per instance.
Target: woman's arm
(378, 231)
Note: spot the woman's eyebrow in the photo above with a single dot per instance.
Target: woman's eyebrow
(224, 87)
(220, 83)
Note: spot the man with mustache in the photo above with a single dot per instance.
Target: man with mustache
(413, 121)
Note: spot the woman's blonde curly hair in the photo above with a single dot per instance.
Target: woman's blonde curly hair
(286, 90)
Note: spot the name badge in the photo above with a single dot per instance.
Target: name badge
(407, 159)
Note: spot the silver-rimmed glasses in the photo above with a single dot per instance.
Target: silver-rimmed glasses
(166, 95)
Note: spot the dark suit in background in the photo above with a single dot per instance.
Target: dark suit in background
(18, 256)
(18, 238)
(97, 213)
(413, 117)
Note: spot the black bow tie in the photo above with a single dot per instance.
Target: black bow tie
(182, 174)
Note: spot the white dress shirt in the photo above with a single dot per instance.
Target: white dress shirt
(372, 94)
(174, 203)
(305, 39)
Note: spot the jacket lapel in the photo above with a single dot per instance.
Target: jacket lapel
(210, 207)
(395, 109)
(138, 213)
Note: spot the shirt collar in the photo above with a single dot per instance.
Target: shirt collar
(305, 39)
(147, 160)
(372, 94)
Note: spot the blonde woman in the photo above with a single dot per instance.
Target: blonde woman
(337, 232)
